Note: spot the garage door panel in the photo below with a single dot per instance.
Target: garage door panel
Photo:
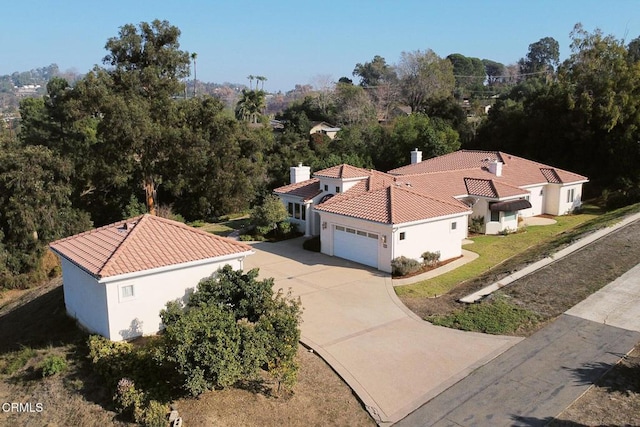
(356, 245)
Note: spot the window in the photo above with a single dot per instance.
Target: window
(351, 230)
(337, 189)
(454, 225)
(402, 235)
(372, 236)
(339, 228)
(571, 195)
(297, 211)
(361, 233)
(326, 187)
(495, 216)
(126, 292)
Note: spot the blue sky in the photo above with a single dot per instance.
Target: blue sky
(299, 42)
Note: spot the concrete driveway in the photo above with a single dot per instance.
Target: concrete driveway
(352, 318)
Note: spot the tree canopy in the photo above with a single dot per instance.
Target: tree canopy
(231, 327)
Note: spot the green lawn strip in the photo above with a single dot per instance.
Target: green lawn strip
(223, 228)
(494, 316)
(493, 250)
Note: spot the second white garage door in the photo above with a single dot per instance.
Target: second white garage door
(356, 245)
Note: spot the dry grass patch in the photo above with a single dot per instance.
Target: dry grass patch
(33, 325)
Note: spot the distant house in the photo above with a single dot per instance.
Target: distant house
(324, 129)
(373, 217)
(117, 278)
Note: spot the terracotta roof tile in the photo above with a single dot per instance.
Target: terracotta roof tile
(391, 205)
(307, 190)
(343, 171)
(480, 187)
(463, 159)
(516, 171)
(142, 243)
(550, 175)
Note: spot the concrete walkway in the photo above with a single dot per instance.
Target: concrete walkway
(352, 318)
(476, 296)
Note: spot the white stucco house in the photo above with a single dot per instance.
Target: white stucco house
(117, 278)
(372, 217)
(324, 128)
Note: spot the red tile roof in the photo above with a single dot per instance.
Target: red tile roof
(430, 188)
(343, 171)
(516, 171)
(307, 190)
(142, 243)
(392, 204)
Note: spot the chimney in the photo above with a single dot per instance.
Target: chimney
(299, 173)
(495, 167)
(416, 156)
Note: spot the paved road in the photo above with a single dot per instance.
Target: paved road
(353, 319)
(538, 378)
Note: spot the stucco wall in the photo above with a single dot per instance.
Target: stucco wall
(431, 236)
(139, 315)
(427, 236)
(537, 201)
(84, 298)
(565, 207)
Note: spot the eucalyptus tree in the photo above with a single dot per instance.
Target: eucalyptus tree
(424, 76)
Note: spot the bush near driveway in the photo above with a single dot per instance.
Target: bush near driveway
(494, 316)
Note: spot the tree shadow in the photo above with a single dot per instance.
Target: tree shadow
(520, 421)
(39, 323)
(623, 377)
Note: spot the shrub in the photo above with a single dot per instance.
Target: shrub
(430, 258)
(401, 266)
(476, 225)
(284, 228)
(129, 400)
(312, 244)
(155, 415)
(52, 365)
(496, 316)
(17, 360)
(110, 359)
(268, 215)
(231, 327)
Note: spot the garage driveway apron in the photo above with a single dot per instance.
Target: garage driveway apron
(393, 360)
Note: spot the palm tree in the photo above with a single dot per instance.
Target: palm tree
(261, 79)
(195, 80)
(250, 105)
(251, 77)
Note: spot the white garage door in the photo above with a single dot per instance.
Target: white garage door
(356, 245)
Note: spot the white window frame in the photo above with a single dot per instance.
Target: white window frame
(571, 195)
(124, 289)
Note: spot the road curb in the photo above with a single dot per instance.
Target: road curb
(488, 290)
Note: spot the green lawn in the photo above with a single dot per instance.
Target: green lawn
(225, 227)
(494, 250)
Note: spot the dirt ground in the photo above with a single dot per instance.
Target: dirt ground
(36, 319)
(554, 289)
(615, 399)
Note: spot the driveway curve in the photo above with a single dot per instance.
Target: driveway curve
(393, 360)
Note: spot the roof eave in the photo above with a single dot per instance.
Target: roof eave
(133, 274)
